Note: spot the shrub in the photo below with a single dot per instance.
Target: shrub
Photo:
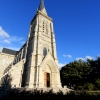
(97, 84)
(80, 88)
(88, 86)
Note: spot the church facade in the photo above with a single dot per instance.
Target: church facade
(35, 65)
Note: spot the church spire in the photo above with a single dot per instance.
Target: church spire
(42, 7)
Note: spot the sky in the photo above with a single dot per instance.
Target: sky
(76, 26)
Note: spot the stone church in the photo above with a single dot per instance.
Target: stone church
(35, 65)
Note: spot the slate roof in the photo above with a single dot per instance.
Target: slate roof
(41, 6)
(9, 51)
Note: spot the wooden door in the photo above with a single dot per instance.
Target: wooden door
(47, 79)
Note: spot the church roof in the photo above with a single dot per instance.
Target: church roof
(9, 51)
(41, 6)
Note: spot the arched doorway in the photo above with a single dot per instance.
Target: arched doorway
(49, 74)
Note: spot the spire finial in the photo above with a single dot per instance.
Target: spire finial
(41, 6)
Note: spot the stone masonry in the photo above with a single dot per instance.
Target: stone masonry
(35, 65)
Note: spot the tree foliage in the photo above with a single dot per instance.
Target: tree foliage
(81, 73)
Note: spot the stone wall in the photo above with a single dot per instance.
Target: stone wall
(5, 61)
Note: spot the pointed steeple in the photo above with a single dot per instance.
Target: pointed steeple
(42, 7)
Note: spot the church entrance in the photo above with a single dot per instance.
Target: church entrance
(47, 79)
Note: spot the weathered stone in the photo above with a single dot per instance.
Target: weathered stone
(33, 66)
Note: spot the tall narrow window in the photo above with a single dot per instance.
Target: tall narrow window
(50, 28)
(44, 52)
(46, 29)
(43, 26)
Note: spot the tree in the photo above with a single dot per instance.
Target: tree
(97, 83)
(75, 73)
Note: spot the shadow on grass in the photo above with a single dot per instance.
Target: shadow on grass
(21, 94)
(8, 93)
(5, 85)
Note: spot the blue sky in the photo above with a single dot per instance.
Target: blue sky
(76, 26)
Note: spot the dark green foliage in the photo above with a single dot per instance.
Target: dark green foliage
(82, 74)
(88, 86)
(97, 83)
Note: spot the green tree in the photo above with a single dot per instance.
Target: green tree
(75, 73)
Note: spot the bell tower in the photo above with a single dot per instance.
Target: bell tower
(41, 67)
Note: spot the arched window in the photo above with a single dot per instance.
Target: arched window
(44, 52)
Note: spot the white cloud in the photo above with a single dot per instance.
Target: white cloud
(11, 42)
(80, 59)
(89, 57)
(3, 33)
(61, 65)
(7, 41)
(69, 56)
(15, 39)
